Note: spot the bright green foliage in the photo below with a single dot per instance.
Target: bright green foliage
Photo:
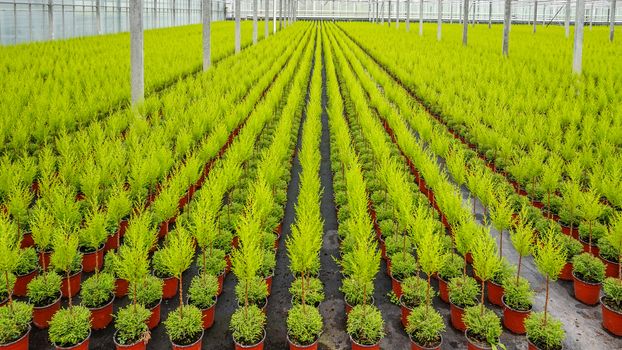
(546, 333)
(65, 251)
(518, 294)
(247, 325)
(463, 291)
(414, 290)
(27, 262)
(44, 289)
(425, 326)
(131, 324)
(431, 253)
(570, 247)
(365, 324)
(14, 321)
(403, 265)
(612, 287)
(184, 325)
(522, 237)
(484, 325)
(203, 291)
(549, 256)
(254, 291)
(178, 253)
(485, 260)
(94, 234)
(588, 268)
(133, 266)
(314, 291)
(42, 226)
(304, 324)
(10, 253)
(70, 326)
(453, 266)
(97, 290)
(148, 290)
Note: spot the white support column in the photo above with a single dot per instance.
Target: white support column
(535, 16)
(255, 5)
(465, 23)
(30, 21)
(273, 16)
(507, 22)
(612, 20)
(474, 11)
(439, 21)
(207, 33)
(543, 15)
(567, 19)
(51, 19)
(118, 15)
(591, 16)
(137, 54)
(577, 54)
(280, 14)
(266, 16)
(408, 15)
(237, 26)
(389, 15)
(397, 14)
(451, 12)
(420, 17)
(155, 13)
(489, 14)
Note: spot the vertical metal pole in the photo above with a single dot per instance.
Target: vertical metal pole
(274, 16)
(612, 20)
(266, 16)
(465, 23)
(137, 53)
(397, 14)
(237, 26)
(507, 22)
(543, 14)
(535, 16)
(592, 16)
(155, 13)
(460, 12)
(389, 15)
(51, 19)
(98, 20)
(62, 18)
(29, 22)
(255, 5)
(490, 14)
(451, 12)
(15, 21)
(474, 11)
(207, 34)
(439, 29)
(174, 17)
(408, 15)
(420, 17)
(567, 19)
(280, 14)
(577, 54)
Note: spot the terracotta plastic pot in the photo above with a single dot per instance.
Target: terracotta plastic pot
(469, 258)
(586, 247)
(163, 231)
(154, 319)
(42, 315)
(121, 287)
(611, 267)
(73, 281)
(357, 346)
(415, 346)
(102, 316)
(456, 317)
(495, 293)
(612, 320)
(389, 264)
(194, 346)
(514, 320)
(566, 274)
(532, 346)
(228, 260)
(21, 283)
(93, 260)
(27, 240)
(268, 281)
(443, 291)
(139, 345)
(405, 312)
(113, 241)
(44, 259)
(84, 345)
(208, 314)
(396, 286)
(169, 288)
(585, 292)
(294, 346)
(258, 346)
(19, 344)
(472, 345)
(235, 242)
(221, 281)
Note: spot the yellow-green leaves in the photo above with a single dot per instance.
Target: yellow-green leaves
(485, 260)
(430, 252)
(549, 256)
(178, 253)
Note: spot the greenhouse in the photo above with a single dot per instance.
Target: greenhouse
(310, 174)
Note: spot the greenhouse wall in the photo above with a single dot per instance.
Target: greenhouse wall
(24, 20)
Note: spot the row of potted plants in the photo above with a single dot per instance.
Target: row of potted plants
(304, 321)
(139, 239)
(500, 218)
